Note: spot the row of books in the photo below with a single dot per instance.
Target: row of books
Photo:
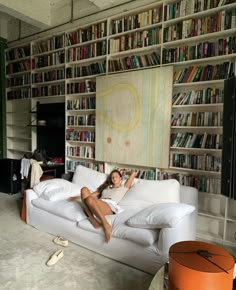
(134, 61)
(202, 182)
(191, 140)
(81, 120)
(53, 58)
(92, 32)
(204, 73)
(80, 151)
(48, 76)
(205, 96)
(148, 174)
(72, 164)
(23, 93)
(49, 90)
(18, 53)
(81, 103)
(86, 51)
(197, 162)
(20, 80)
(137, 39)
(197, 119)
(220, 21)
(81, 71)
(55, 42)
(82, 136)
(186, 7)
(139, 20)
(16, 67)
(81, 87)
(222, 46)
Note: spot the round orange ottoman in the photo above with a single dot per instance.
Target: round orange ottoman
(195, 265)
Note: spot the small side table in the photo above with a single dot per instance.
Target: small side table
(198, 265)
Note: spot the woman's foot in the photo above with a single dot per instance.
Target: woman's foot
(108, 231)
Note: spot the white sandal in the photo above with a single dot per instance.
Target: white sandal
(55, 257)
(61, 241)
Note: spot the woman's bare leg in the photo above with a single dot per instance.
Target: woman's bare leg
(84, 194)
(91, 217)
(99, 209)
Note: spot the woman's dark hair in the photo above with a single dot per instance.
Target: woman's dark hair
(107, 182)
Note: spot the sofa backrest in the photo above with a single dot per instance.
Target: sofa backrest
(146, 192)
(88, 177)
(143, 192)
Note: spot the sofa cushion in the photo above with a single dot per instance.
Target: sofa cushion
(162, 215)
(144, 237)
(120, 230)
(88, 177)
(56, 189)
(65, 209)
(146, 192)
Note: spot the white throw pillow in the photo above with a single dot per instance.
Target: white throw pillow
(142, 237)
(162, 215)
(57, 189)
(88, 177)
(147, 192)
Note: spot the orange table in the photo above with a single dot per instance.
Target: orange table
(195, 265)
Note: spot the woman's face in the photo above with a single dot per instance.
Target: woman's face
(115, 179)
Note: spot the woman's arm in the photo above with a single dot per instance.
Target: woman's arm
(73, 198)
(130, 180)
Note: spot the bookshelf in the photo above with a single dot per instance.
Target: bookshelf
(192, 34)
(48, 67)
(86, 50)
(196, 37)
(19, 135)
(135, 39)
(18, 95)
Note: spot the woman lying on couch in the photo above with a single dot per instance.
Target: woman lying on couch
(104, 201)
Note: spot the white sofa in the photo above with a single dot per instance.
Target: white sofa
(156, 215)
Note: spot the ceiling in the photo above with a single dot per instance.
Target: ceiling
(46, 14)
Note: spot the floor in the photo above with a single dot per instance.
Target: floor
(25, 250)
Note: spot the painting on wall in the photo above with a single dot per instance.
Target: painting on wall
(133, 114)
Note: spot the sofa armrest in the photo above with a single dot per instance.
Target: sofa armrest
(184, 230)
(29, 196)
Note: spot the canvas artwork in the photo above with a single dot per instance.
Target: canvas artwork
(133, 114)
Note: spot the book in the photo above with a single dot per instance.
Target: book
(221, 3)
(204, 140)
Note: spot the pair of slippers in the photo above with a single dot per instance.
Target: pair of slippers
(55, 257)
